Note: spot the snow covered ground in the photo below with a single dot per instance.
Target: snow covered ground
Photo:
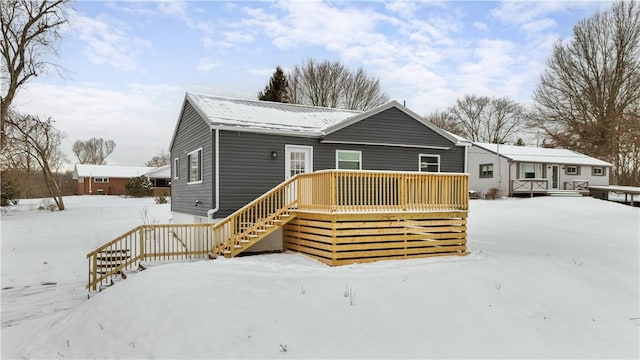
(547, 277)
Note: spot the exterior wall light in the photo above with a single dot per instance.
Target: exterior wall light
(274, 155)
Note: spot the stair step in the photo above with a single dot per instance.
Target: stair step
(238, 246)
(245, 241)
(261, 230)
(115, 251)
(253, 235)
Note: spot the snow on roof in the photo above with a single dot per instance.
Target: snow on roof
(162, 172)
(268, 116)
(112, 171)
(542, 155)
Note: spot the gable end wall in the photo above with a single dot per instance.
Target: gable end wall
(391, 126)
(192, 133)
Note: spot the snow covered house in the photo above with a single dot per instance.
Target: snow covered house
(516, 170)
(106, 179)
(309, 179)
(226, 152)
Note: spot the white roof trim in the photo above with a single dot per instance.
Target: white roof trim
(385, 144)
(110, 171)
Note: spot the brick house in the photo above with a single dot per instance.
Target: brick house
(106, 179)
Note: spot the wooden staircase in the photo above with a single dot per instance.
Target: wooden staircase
(164, 242)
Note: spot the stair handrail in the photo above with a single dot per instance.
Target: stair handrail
(229, 242)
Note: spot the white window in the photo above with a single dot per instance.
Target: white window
(598, 171)
(100, 179)
(176, 168)
(194, 164)
(348, 160)
(429, 163)
(530, 171)
(571, 170)
(80, 180)
(486, 171)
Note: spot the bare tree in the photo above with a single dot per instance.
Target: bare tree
(30, 30)
(41, 141)
(445, 121)
(331, 84)
(588, 98)
(161, 159)
(484, 119)
(93, 151)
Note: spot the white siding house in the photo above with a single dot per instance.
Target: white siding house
(516, 170)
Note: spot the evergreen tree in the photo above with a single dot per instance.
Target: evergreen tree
(276, 90)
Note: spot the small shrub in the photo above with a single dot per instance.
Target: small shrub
(492, 194)
(139, 186)
(9, 191)
(162, 198)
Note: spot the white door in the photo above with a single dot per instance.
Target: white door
(298, 160)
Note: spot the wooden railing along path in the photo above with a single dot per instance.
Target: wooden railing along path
(322, 191)
(164, 242)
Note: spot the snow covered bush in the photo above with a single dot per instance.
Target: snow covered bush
(139, 186)
(9, 191)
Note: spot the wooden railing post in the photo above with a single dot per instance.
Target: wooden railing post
(142, 244)
(333, 200)
(402, 192)
(94, 272)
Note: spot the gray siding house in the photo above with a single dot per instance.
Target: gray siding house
(227, 152)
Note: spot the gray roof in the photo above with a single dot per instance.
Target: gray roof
(289, 119)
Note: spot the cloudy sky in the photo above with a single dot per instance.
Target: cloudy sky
(125, 65)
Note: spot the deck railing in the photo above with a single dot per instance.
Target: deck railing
(156, 242)
(578, 185)
(164, 242)
(530, 186)
(359, 191)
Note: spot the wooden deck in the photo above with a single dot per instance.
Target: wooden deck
(629, 192)
(337, 217)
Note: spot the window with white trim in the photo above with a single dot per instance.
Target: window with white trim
(486, 171)
(572, 170)
(80, 180)
(348, 160)
(530, 171)
(429, 163)
(176, 168)
(194, 166)
(100, 179)
(598, 171)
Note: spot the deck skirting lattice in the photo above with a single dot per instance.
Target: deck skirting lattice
(347, 238)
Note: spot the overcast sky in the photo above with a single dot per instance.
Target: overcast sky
(128, 64)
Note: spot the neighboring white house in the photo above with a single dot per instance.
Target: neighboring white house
(516, 170)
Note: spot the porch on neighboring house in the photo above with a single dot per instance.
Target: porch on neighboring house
(338, 217)
(535, 186)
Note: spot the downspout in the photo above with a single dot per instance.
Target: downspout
(466, 156)
(216, 151)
